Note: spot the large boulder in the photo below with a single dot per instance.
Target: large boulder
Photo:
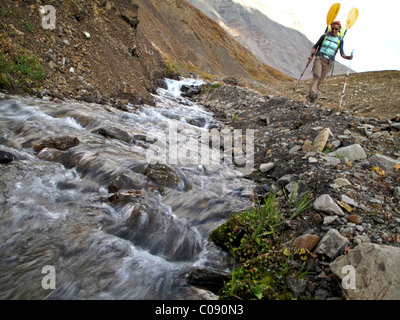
(384, 162)
(353, 152)
(377, 272)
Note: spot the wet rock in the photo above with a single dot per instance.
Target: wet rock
(125, 181)
(332, 244)
(190, 91)
(59, 143)
(197, 121)
(114, 133)
(208, 277)
(377, 272)
(6, 157)
(326, 204)
(166, 176)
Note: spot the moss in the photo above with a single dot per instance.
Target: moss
(171, 69)
(255, 239)
(19, 68)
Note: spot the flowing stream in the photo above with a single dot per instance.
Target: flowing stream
(110, 227)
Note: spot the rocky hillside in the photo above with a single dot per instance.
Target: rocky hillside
(375, 94)
(280, 47)
(116, 50)
(346, 165)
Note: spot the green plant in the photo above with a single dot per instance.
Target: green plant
(326, 150)
(171, 69)
(30, 27)
(297, 205)
(255, 239)
(30, 68)
(18, 67)
(216, 85)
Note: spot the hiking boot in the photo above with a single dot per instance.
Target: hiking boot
(313, 97)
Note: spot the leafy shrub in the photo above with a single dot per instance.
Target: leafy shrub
(255, 239)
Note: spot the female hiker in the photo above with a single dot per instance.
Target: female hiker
(325, 49)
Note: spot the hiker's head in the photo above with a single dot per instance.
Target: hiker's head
(335, 26)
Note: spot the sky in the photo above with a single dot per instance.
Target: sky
(375, 36)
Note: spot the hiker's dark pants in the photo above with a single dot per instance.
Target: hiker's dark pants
(321, 68)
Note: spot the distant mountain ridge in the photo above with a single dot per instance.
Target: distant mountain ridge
(278, 46)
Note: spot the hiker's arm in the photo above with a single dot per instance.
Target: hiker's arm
(342, 52)
(350, 57)
(315, 48)
(312, 54)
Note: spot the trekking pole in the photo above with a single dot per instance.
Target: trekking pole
(294, 89)
(345, 84)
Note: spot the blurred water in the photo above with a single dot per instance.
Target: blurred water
(57, 208)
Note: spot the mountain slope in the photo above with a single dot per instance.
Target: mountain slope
(195, 41)
(280, 47)
(107, 50)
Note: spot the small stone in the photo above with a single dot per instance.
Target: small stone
(329, 219)
(317, 219)
(397, 193)
(345, 206)
(307, 241)
(295, 149)
(321, 140)
(359, 239)
(332, 244)
(307, 146)
(265, 167)
(341, 182)
(325, 204)
(360, 228)
(355, 218)
(347, 231)
(349, 201)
